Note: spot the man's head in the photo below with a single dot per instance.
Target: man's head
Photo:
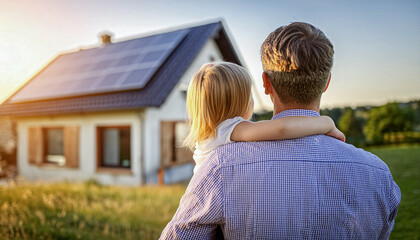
(297, 59)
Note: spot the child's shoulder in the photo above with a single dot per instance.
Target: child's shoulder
(224, 130)
(230, 123)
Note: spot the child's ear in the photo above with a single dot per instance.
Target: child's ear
(328, 83)
(268, 87)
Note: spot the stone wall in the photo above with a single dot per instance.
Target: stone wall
(8, 140)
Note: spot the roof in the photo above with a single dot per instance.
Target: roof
(147, 88)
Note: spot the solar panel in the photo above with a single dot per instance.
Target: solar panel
(137, 76)
(118, 66)
(127, 60)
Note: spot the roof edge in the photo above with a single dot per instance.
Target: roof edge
(147, 34)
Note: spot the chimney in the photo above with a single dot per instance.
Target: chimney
(106, 37)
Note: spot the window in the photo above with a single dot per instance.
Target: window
(54, 146)
(172, 135)
(114, 150)
(57, 146)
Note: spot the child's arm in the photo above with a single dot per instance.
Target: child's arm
(285, 128)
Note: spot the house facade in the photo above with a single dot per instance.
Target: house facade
(115, 113)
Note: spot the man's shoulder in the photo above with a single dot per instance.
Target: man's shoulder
(318, 148)
(242, 152)
(358, 155)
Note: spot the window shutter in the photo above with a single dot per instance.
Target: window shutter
(183, 155)
(35, 146)
(71, 146)
(167, 133)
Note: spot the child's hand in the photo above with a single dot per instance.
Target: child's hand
(337, 134)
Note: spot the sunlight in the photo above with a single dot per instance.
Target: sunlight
(16, 59)
(13, 66)
(13, 59)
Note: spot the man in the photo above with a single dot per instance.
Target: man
(315, 187)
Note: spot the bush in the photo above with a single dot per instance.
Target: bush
(401, 137)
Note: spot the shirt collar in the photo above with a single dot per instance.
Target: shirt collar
(296, 112)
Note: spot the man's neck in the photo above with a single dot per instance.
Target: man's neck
(279, 107)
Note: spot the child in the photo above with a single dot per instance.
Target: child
(219, 104)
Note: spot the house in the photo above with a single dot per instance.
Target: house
(115, 112)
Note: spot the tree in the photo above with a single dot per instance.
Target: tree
(386, 119)
(351, 126)
(266, 115)
(416, 109)
(334, 113)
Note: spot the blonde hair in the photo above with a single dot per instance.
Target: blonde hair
(298, 59)
(217, 92)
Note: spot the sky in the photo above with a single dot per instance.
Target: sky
(376, 43)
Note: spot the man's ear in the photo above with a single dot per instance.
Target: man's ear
(328, 83)
(268, 87)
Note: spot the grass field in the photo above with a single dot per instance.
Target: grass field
(404, 163)
(91, 211)
(86, 211)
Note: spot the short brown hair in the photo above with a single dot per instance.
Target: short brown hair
(298, 59)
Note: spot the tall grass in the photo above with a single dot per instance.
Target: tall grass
(86, 211)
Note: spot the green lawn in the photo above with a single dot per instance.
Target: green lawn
(91, 211)
(404, 162)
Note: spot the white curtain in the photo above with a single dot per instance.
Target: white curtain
(111, 147)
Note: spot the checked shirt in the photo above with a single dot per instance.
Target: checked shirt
(315, 187)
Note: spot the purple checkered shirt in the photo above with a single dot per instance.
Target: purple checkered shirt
(315, 187)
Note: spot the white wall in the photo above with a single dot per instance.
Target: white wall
(210, 50)
(87, 148)
(174, 109)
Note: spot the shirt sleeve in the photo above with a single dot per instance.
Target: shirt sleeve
(200, 210)
(394, 202)
(198, 157)
(224, 131)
